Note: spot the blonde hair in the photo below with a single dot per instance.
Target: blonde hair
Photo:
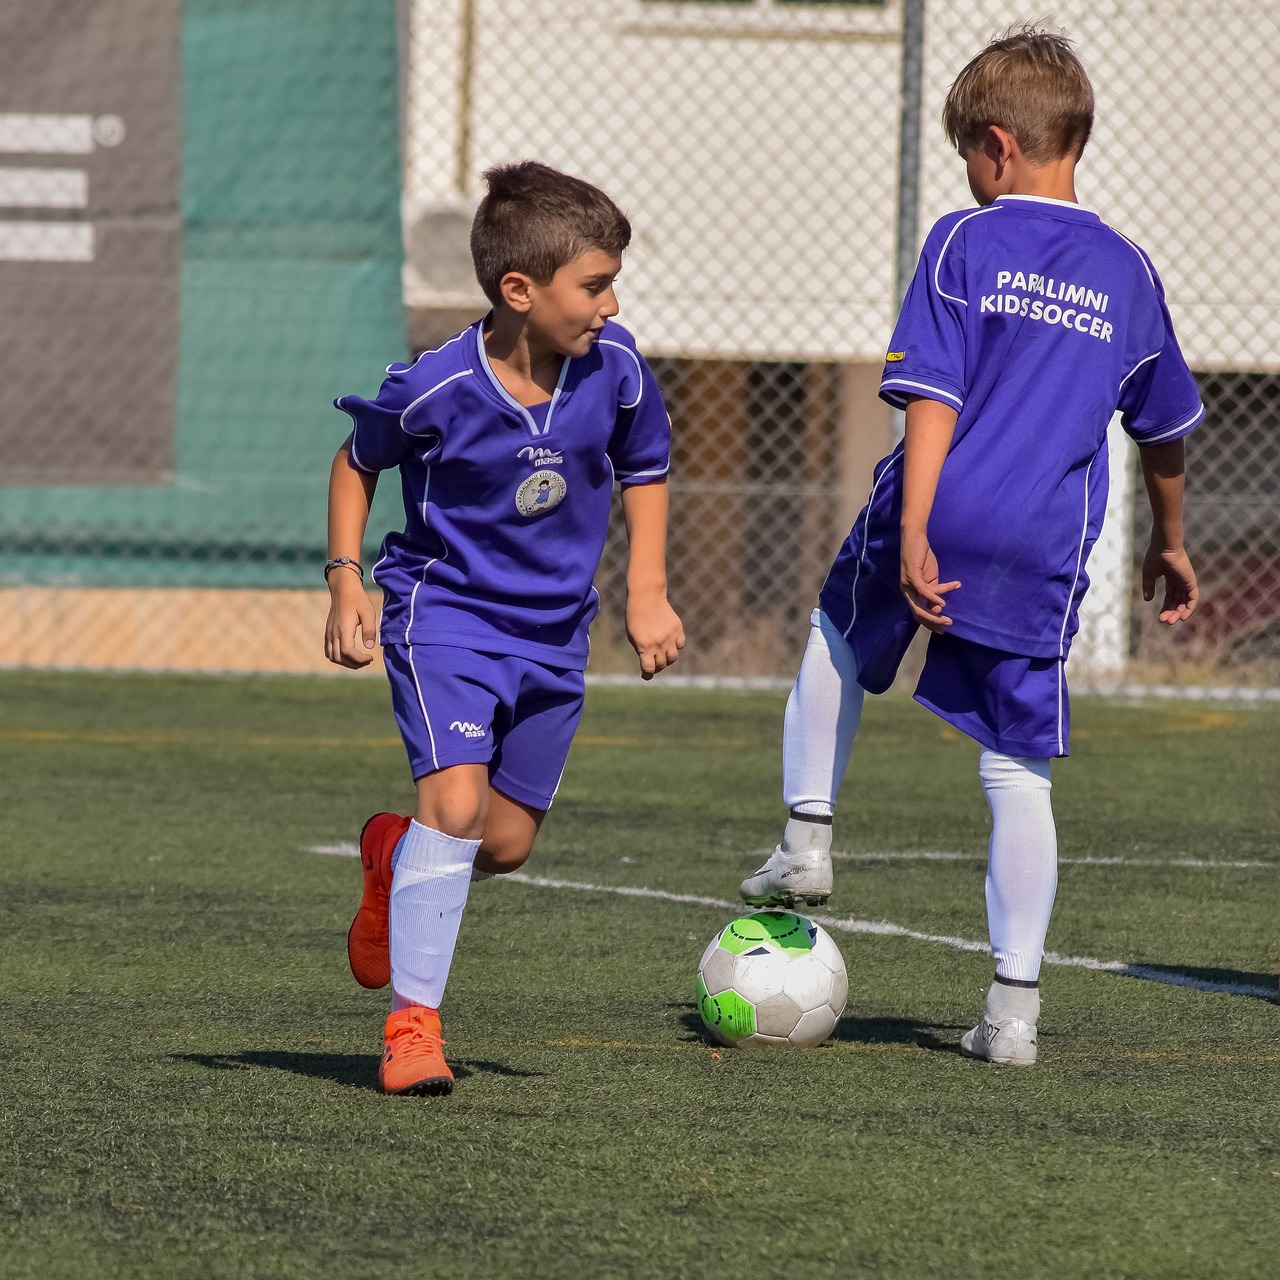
(1030, 82)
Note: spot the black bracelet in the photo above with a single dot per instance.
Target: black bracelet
(343, 562)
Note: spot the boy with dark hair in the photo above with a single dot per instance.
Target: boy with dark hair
(1028, 323)
(508, 439)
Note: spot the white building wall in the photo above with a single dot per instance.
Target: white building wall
(755, 148)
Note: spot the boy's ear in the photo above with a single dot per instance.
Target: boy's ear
(999, 144)
(517, 291)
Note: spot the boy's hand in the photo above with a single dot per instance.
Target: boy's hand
(920, 585)
(655, 632)
(1181, 591)
(351, 631)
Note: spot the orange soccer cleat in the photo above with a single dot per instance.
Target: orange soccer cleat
(367, 946)
(413, 1059)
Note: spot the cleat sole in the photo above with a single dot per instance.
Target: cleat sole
(436, 1087)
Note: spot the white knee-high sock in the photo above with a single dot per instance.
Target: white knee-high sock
(1022, 869)
(431, 876)
(822, 718)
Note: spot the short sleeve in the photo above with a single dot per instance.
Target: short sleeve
(379, 441)
(1159, 398)
(640, 448)
(926, 354)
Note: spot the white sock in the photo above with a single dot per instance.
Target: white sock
(1005, 1002)
(431, 876)
(801, 834)
(1022, 869)
(822, 718)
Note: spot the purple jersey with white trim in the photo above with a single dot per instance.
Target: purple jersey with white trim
(1036, 322)
(506, 508)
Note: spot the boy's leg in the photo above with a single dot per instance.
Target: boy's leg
(509, 833)
(1022, 880)
(822, 716)
(1019, 709)
(446, 701)
(432, 874)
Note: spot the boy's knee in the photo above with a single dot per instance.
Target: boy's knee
(500, 857)
(456, 813)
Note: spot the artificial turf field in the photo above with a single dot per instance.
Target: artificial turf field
(189, 1070)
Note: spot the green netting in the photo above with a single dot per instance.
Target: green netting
(290, 293)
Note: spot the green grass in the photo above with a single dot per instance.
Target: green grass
(189, 1069)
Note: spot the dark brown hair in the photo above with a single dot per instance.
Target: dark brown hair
(535, 220)
(1028, 81)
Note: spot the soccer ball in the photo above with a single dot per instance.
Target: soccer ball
(771, 978)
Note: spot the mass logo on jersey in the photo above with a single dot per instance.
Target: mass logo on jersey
(541, 492)
(468, 729)
(541, 457)
(894, 356)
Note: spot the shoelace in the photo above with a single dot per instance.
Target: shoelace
(414, 1033)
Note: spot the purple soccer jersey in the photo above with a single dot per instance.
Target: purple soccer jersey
(506, 507)
(1036, 322)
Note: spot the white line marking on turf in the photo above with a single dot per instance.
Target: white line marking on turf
(879, 928)
(923, 855)
(886, 928)
(346, 849)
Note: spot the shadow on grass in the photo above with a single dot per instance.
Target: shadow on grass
(351, 1070)
(1206, 979)
(910, 1031)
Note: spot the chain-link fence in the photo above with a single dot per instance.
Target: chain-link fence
(209, 225)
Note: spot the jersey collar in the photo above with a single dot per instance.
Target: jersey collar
(487, 369)
(1069, 207)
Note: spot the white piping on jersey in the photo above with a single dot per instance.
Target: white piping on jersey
(351, 449)
(1173, 432)
(413, 595)
(1142, 257)
(453, 377)
(899, 451)
(1135, 369)
(435, 763)
(448, 343)
(639, 475)
(942, 253)
(1084, 533)
(1062, 669)
(924, 386)
(522, 410)
(609, 342)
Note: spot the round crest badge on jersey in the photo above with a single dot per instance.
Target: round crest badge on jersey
(541, 492)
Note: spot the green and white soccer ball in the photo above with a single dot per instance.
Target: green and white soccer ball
(772, 978)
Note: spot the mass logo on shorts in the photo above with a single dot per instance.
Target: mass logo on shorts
(541, 492)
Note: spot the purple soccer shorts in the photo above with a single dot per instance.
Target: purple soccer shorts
(456, 706)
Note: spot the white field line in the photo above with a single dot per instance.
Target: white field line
(346, 849)
(922, 855)
(879, 928)
(886, 928)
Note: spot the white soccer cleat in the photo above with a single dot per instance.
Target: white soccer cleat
(1011, 1043)
(790, 880)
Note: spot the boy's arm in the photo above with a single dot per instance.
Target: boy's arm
(350, 632)
(930, 426)
(652, 625)
(1163, 472)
